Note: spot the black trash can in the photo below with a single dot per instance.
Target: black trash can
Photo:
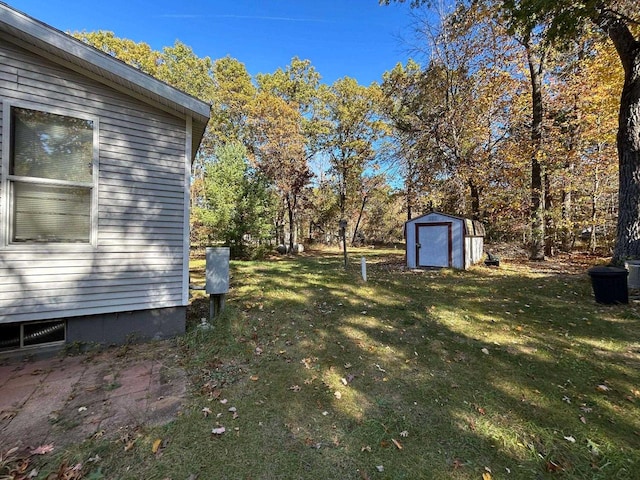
(609, 284)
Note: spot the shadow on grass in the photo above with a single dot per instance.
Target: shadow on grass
(438, 374)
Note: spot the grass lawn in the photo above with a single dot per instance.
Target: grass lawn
(492, 373)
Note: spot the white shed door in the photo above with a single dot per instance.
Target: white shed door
(434, 245)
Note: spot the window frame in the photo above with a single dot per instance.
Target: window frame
(7, 180)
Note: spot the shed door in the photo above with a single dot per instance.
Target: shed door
(434, 244)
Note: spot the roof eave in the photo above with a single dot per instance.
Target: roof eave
(108, 69)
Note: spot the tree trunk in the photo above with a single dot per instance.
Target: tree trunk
(536, 249)
(355, 230)
(536, 70)
(566, 240)
(410, 193)
(567, 233)
(291, 211)
(549, 226)
(628, 140)
(475, 200)
(594, 211)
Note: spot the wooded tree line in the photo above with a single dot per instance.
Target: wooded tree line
(560, 39)
(498, 123)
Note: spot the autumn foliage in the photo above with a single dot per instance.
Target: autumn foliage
(494, 123)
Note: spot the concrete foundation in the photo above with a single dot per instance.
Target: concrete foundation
(124, 327)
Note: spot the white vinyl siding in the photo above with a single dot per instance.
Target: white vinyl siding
(2, 226)
(137, 260)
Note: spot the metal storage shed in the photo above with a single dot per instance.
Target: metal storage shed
(440, 240)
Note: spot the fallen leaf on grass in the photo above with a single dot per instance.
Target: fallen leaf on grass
(42, 449)
(602, 388)
(485, 351)
(570, 439)
(156, 445)
(338, 395)
(397, 444)
(254, 378)
(552, 466)
(218, 430)
(366, 448)
(206, 411)
(295, 388)
(457, 463)
(486, 476)
(380, 468)
(66, 472)
(593, 447)
(8, 415)
(404, 434)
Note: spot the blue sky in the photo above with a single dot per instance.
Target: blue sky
(356, 38)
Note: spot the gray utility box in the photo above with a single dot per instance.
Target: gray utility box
(217, 270)
(634, 273)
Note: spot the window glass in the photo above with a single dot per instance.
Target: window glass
(46, 213)
(46, 145)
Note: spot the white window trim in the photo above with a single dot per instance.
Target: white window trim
(5, 181)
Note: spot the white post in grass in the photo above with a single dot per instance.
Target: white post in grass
(363, 266)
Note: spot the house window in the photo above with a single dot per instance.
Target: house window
(50, 178)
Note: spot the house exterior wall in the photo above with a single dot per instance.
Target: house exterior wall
(139, 255)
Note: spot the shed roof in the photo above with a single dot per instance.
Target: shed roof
(472, 227)
(42, 39)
